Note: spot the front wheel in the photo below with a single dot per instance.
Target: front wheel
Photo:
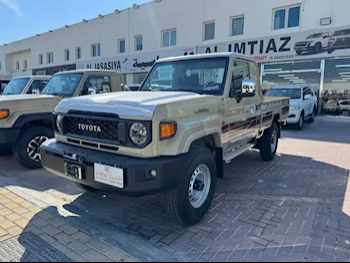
(300, 124)
(190, 201)
(269, 143)
(27, 149)
(330, 51)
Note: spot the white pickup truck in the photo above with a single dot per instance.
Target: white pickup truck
(191, 115)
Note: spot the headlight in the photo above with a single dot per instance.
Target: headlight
(4, 114)
(295, 107)
(59, 123)
(138, 133)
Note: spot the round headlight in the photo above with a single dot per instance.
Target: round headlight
(138, 133)
(59, 123)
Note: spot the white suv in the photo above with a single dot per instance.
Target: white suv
(344, 106)
(303, 102)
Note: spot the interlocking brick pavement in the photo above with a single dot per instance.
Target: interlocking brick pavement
(295, 208)
(22, 240)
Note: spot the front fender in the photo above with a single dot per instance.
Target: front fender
(189, 131)
(45, 117)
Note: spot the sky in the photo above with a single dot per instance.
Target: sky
(25, 18)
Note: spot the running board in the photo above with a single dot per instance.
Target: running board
(231, 155)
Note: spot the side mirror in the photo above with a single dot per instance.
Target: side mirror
(248, 88)
(308, 97)
(92, 91)
(36, 92)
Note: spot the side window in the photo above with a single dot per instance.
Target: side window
(254, 75)
(97, 84)
(241, 69)
(37, 85)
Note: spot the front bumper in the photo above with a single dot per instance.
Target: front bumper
(8, 136)
(293, 117)
(138, 180)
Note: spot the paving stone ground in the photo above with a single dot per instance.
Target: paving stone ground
(295, 208)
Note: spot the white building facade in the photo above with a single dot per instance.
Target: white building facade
(294, 41)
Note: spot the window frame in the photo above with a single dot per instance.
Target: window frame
(170, 31)
(25, 64)
(119, 45)
(85, 90)
(67, 54)
(204, 29)
(136, 45)
(286, 19)
(17, 65)
(98, 50)
(41, 59)
(77, 53)
(231, 24)
(48, 59)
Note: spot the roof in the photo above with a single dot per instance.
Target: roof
(44, 77)
(291, 86)
(207, 55)
(90, 71)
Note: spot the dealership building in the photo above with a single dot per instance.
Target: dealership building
(294, 41)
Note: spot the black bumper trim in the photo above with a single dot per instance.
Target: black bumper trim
(138, 180)
(9, 136)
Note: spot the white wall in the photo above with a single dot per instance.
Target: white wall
(152, 18)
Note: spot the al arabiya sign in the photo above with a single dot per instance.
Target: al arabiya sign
(304, 45)
(134, 63)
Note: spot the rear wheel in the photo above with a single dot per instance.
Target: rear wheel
(300, 124)
(313, 116)
(27, 149)
(318, 48)
(190, 201)
(269, 143)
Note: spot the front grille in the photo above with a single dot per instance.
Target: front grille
(100, 128)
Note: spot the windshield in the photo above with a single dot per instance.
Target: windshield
(294, 94)
(63, 85)
(342, 32)
(202, 76)
(16, 86)
(314, 36)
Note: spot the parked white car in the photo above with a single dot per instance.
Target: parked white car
(26, 85)
(344, 106)
(303, 102)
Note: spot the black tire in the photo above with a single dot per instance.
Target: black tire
(20, 151)
(318, 48)
(300, 124)
(313, 116)
(299, 52)
(178, 202)
(330, 51)
(266, 152)
(86, 188)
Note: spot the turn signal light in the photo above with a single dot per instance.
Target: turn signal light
(167, 130)
(4, 114)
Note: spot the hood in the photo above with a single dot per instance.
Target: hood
(28, 101)
(294, 101)
(140, 105)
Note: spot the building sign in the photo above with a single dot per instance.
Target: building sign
(5, 76)
(53, 70)
(297, 46)
(133, 63)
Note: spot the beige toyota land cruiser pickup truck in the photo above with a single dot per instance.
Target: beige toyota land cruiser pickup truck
(191, 115)
(26, 120)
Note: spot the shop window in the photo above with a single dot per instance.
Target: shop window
(25, 64)
(209, 30)
(138, 78)
(122, 46)
(17, 65)
(286, 17)
(95, 50)
(169, 38)
(237, 26)
(138, 43)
